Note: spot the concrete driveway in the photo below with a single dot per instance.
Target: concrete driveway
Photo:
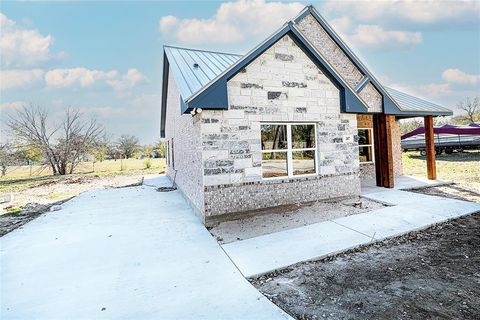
(130, 253)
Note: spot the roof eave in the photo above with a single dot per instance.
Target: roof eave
(163, 112)
(414, 114)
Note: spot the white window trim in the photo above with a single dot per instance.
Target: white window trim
(367, 145)
(291, 150)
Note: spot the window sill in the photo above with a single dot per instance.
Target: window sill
(291, 178)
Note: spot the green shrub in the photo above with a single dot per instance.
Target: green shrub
(148, 163)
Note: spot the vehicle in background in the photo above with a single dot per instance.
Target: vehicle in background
(448, 138)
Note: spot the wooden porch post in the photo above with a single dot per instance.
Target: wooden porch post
(430, 147)
(383, 150)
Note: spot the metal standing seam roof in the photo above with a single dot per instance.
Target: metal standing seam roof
(410, 103)
(193, 69)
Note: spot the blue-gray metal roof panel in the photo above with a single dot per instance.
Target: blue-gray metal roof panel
(410, 103)
(191, 78)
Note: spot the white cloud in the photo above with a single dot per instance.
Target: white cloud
(374, 36)
(132, 78)
(14, 105)
(61, 78)
(436, 89)
(371, 36)
(107, 111)
(424, 12)
(146, 99)
(460, 77)
(19, 78)
(233, 22)
(428, 91)
(22, 47)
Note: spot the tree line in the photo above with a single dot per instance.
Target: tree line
(470, 113)
(64, 143)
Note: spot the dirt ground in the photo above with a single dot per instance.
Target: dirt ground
(29, 201)
(430, 274)
(454, 191)
(287, 217)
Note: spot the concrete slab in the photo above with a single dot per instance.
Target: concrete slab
(278, 250)
(409, 182)
(156, 181)
(408, 212)
(389, 222)
(130, 253)
(448, 208)
(398, 197)
(402, 183)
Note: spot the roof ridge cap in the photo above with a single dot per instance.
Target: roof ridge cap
(203, 50)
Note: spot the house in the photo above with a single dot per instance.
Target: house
(299, 118)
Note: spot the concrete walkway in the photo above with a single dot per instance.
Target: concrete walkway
(130, 253)
(402, 183)
(409, 211)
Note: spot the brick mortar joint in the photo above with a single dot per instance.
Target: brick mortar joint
(279, 181)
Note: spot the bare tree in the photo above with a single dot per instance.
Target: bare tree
(64, 144)
(128, 145)
(102, 146)
(472, 108)
(6, 157)
(410, 125)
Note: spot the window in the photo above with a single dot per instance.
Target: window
(288, 150)
(365, 145)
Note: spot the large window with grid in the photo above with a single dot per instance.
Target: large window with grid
(365, 145)
(288, 149)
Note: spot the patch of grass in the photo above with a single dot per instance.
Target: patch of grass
(18, 178)
(462, 167)
(59, 196)
(13, 210)
(15, 185)
(104, 167)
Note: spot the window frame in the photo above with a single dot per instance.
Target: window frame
(371, 145)
(290, 150)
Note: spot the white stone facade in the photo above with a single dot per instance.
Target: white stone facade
(282, 85)
(217, 153)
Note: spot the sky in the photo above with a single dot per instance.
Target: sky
(105, 58)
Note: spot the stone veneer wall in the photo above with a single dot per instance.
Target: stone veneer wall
(372, 97)
(281, 85)
(185, 132)
(317, 35)
(397, 149)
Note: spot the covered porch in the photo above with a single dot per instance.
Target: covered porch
(385, 135)
(386, 144)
